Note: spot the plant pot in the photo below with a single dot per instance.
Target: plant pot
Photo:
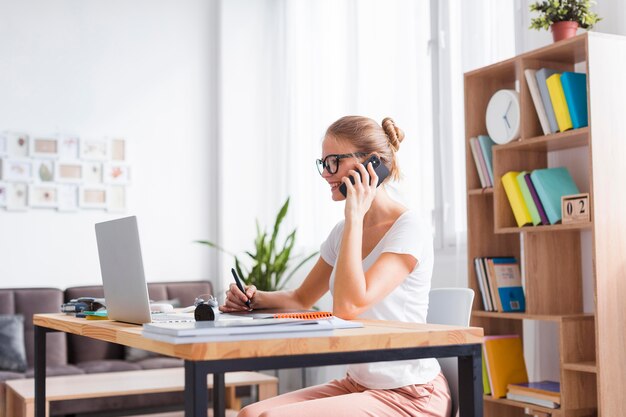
(563, 30)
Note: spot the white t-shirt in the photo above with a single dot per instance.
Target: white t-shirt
(408, 302)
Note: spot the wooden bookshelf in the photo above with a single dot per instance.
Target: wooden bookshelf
(553, 257)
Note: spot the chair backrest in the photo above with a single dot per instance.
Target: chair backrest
(452, 306)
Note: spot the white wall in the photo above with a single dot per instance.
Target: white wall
(138, 69)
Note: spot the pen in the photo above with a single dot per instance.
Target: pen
(238, 282)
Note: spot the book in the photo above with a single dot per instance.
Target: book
(493, 286)
(516, 200)
(541, 75)
(528, 199)
(485, 145)
(505, 362)
(551, 184)
(509, 284)
(546, 390)
(575, 89)
(559, 104)
(531, 80)
(486, 386)
(531, 400)
(536, 199)
(479, 162)
(482, 284)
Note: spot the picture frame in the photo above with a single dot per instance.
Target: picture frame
(67, 197)
(43, 170)
(69, 146)
(116, 198)
(115, 173)
(3, 194)
(17, 197)
(92, 197)
(44, 147)
(69, 172)
(92, 172)
(43, 196)
(16, 170)
(94, 149)
(17, 144)
(118, 149)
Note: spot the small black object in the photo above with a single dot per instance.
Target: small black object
(381, 170)
(204, 312)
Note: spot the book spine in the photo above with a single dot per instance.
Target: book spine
(490, 296)
(516, 200)
(485, 144)
(493, 284)
(559, 103)
(541, 76)
(531, 80)
(478, 161)
(536, 199)
(528, 199)
(481, 287)
(575, 90)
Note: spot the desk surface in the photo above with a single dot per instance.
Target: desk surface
(374, 335)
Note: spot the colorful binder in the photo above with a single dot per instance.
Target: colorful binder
(536, 199)
(504, 356)
(575, 90)
(559, 104)
(542, 75)
(514, 194)
(551, 184)
(528, 199)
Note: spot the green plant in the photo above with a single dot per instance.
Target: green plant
(552, 11)
(269, 263)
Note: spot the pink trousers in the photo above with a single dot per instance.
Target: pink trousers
(346, 398)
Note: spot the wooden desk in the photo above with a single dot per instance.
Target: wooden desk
(377, 341)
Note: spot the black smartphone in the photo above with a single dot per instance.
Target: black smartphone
(379, 168)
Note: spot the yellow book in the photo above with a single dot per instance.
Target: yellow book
(559, 104)
(516, 199)
(504, 356)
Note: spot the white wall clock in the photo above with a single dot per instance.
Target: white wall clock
(503, 116)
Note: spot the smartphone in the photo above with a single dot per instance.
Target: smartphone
(379, 168)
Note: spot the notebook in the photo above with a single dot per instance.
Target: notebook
(123, 280)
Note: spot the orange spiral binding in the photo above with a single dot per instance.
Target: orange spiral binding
(313, 315)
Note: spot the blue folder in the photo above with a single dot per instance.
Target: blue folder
(575, 89)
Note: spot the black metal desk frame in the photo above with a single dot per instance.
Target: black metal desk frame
(196, 390)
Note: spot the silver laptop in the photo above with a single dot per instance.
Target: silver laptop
(121, 264)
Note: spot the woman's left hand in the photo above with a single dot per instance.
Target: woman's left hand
(359, 196)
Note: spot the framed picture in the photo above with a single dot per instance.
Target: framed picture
(68, 146)
(42, 195)
(67, 197)
(71, 172)
(17, 144)
(43, 170)
(92, 196)
(118, 149)
(116, 198)
(94, 149)
(44, 147)
(115, 173)
(16, 170)
(3, 194)
(17, 197)
(92, 172)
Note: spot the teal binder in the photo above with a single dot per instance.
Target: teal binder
(551, 184)
(575, 89)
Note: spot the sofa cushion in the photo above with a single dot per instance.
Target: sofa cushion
(12, 350)
(58, 370)
(7, 376)
(160, 363)
(110, 365)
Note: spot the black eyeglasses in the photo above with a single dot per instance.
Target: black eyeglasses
(331, 162)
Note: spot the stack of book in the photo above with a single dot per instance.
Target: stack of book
(483, 159)
(500, 284)
(504, 364)
(560, 98)
(535, 197)
(544, 393)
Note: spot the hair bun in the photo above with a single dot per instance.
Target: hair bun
(393, 132)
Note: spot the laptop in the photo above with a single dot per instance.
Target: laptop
(121, 264)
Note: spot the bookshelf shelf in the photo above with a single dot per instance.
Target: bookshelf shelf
(562, 262)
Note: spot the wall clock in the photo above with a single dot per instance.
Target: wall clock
(503, 116)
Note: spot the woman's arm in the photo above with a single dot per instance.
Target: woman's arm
(312, 289)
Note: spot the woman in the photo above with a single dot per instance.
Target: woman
(377, 263)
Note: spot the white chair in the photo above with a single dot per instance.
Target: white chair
(452, 306)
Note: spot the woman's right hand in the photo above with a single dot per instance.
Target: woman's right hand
(236, 300)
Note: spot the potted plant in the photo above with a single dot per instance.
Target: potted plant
(269, 262)
(563, 17)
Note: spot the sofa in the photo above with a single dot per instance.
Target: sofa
(71, 354)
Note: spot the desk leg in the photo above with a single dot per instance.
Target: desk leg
(471, 383)
(196, 395)
(219, 392)
(40, 371)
